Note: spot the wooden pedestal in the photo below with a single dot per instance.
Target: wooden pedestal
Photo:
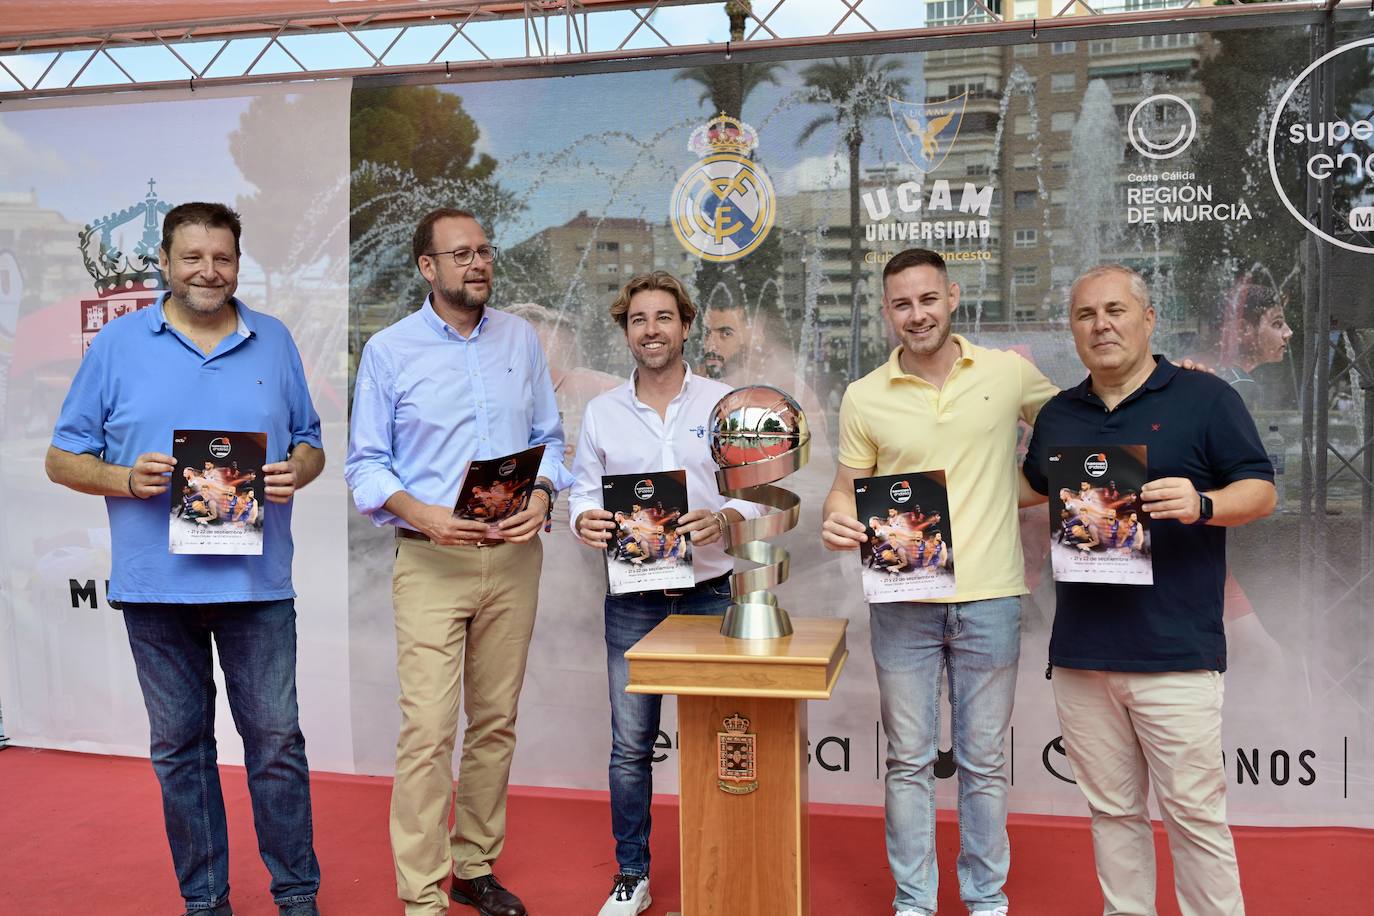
(742, 853)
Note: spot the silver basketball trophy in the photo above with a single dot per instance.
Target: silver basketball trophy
(759, 435)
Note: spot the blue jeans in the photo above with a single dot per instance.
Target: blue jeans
(256, 642)
(634, 716)
(913, 644)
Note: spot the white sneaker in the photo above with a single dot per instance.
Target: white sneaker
(995, 911)
(629, 896)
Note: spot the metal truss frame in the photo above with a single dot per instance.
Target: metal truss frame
(555, 32)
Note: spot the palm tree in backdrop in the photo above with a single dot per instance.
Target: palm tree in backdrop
(856, 89)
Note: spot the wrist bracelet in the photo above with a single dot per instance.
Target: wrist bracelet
(130, 484)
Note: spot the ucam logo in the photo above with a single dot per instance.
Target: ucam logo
(644, 489)
(1095, 465)
(219, 448)
(900, 491)
(1343, 161)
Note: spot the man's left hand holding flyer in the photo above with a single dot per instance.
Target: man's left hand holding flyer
(495, 489)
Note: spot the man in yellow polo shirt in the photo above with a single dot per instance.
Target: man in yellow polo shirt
(942, 403)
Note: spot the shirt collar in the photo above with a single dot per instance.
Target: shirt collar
(687, 377)
(443, 328)
(157, 316)
(1162, 375)
(894, 362)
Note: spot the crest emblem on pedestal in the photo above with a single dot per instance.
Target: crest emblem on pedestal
(738, 772)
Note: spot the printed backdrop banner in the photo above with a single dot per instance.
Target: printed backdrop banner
(1191, 157)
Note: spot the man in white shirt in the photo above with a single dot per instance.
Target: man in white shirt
(659, 420)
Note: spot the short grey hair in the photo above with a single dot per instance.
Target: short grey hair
(1139, 288)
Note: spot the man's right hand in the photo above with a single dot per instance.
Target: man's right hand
(150, 472)
(594, 527)
(440, 525)
(842, 532)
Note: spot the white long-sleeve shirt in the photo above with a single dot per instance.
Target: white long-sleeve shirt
(623, 435)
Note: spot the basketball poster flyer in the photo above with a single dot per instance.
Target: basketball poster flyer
(646, 552)
(1097, 531)
(494, 489)
(217, 492)
(909, 555)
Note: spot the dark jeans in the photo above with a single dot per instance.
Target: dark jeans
(634, 716)
(256, 642)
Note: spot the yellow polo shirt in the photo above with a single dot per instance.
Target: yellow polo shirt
(898, 423)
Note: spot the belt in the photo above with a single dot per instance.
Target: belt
(722, 579)
(417, 536)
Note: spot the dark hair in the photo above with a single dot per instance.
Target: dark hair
(660, 280)
(1256, 299)
(199, 213)
(424, 233)
(914, 257)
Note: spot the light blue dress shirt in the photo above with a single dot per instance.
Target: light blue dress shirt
(140, 380)
(428, 400)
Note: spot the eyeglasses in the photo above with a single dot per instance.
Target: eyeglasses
(462, 257)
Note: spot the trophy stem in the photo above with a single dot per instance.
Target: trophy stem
(755, 620)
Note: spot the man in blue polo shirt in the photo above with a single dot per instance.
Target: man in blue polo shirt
(1137, 668)
(201, 359)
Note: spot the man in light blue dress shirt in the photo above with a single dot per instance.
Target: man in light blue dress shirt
(451, 383)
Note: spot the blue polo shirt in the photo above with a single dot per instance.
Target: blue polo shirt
(1193, 425)
(140, 380)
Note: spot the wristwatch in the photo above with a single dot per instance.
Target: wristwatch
(1204, 508)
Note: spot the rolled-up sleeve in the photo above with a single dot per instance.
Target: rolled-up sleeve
(589, 465)
(369, 468)
(546, 428)
(305, 421)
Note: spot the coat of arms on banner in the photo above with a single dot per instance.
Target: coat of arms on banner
(927, 130)
(738, 773)
(723, 206)
(125, 283)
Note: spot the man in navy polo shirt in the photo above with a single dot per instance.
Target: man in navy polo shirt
(1137, 669)
(201, 359)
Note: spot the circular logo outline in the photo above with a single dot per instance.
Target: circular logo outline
(644, 489)
(1273, 134)
(1096, 465)
(1191, 130)
(220, 447)
(507, 467)
(767, 196)
(900, 491)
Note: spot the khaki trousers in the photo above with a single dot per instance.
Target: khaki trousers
(1124, 732)
(460, 612)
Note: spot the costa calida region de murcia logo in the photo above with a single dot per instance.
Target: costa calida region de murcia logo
(723, 206)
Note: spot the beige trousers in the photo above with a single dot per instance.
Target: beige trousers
(461, 612)
(1124, 732)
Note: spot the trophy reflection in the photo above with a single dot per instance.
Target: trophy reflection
(759, 435)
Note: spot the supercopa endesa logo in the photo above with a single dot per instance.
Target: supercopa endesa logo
(1336, 148)
(723, 207)
(1095, 465)
(644, 489)
(219, 448)
(507, 467)
(900, 491)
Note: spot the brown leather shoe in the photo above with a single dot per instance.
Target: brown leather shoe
(487, 894)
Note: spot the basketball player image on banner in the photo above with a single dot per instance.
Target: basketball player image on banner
(909, 555)
(494, 489)
(1097, 531)
(217, 494)
(645, 551)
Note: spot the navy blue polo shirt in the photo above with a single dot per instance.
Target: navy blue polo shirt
(1193, 425)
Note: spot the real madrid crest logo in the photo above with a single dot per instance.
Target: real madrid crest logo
(723, 206)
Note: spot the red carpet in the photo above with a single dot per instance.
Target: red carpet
(82, 833)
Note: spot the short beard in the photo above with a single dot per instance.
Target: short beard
(715, 370)
(928, 349)
(458, 297)
(186, 295)
(671, 357)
